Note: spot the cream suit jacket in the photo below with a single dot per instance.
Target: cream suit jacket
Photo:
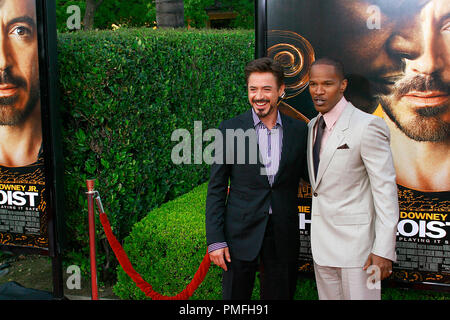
(354, 204)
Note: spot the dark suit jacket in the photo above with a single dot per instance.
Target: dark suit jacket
(240, 218)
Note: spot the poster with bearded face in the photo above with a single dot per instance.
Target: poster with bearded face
(396, 57)
(24, 213)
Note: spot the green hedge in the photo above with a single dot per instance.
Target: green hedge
(122, 94)
(167, 247)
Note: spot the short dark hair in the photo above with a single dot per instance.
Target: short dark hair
(265, 65)
(338, 66)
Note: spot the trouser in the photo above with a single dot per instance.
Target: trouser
(277, 280)
(345, 284)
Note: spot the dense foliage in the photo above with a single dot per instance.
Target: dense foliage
(167, 247)
(138, 13)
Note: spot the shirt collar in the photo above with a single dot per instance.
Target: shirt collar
(257, 121)
(333, 115)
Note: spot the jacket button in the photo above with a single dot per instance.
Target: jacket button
(315, 194)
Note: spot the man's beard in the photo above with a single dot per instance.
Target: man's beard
(9, 114)
(261, 114)
(419, 124)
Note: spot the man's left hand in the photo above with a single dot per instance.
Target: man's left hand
(385, 265)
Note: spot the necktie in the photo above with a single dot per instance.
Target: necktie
(316, 148)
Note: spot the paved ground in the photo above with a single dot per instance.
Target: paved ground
(35, 272)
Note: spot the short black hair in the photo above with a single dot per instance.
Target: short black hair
(338, 66)
(265, 65)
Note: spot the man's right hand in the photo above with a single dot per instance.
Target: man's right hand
(217, 256)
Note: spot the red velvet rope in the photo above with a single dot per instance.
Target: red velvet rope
(144, 286)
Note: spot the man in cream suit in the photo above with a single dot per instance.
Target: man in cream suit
(354, 204)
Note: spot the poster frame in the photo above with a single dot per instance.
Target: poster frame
(52, 147)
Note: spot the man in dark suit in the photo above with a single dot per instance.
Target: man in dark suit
(254, 224)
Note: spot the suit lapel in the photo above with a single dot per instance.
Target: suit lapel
(287, 144)
(336, 137)
(246, 120)
(246, 124)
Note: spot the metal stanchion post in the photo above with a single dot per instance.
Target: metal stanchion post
(90, 199)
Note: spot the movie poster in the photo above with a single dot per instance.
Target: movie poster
(24, 216)
(396, 55)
